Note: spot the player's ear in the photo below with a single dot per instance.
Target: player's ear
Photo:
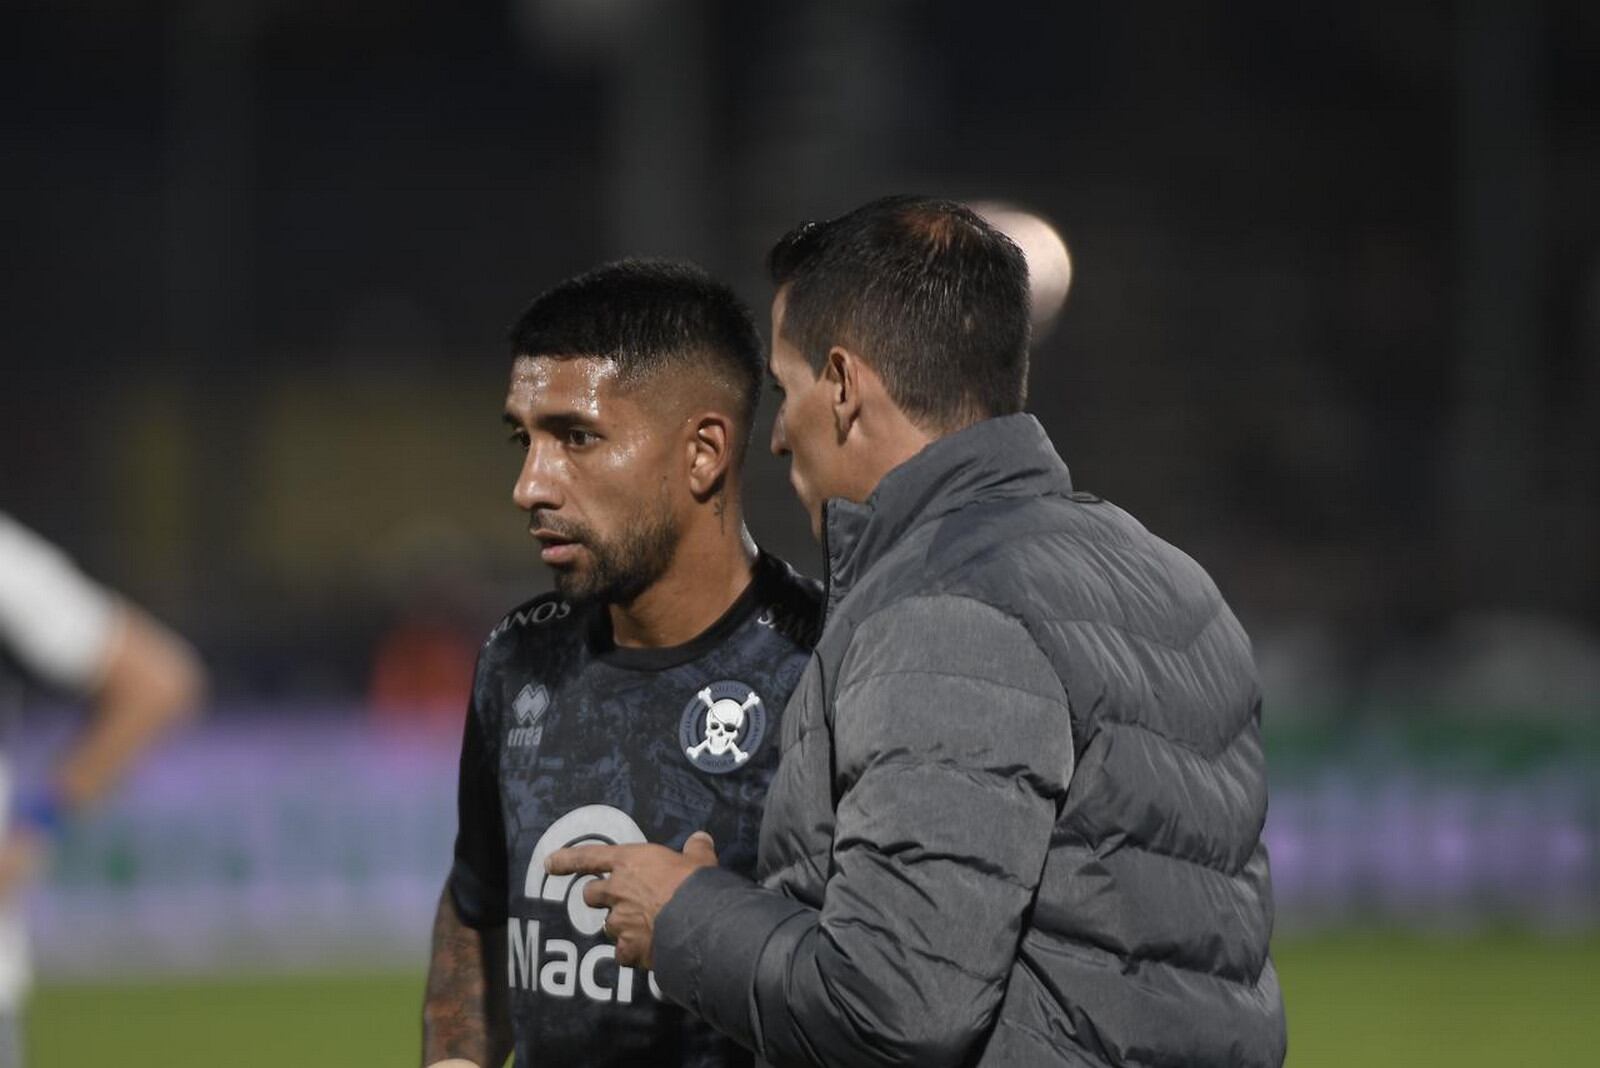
(710, 452)
(845, 376)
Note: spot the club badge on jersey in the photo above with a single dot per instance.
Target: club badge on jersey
(722, 726)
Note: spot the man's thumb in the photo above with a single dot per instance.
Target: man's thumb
(700, 848)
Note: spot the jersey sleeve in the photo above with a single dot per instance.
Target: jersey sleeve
(478, 882)
(54, 620)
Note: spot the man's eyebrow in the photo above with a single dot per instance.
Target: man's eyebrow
(562, 420)
(549, 420)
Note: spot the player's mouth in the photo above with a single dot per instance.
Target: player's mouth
(556, 549)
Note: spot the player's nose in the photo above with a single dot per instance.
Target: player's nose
(537, 485)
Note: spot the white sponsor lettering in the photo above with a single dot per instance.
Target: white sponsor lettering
(557, 968)
(589, 825)
(539, 613)
(551, 610)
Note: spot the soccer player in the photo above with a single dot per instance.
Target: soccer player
(59, 628)
(638, 702)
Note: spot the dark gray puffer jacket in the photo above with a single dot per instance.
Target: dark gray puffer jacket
(1018, 817)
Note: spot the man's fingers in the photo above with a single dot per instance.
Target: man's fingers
(629, 953)
(597, 894)
(581, 860)
(700, 848)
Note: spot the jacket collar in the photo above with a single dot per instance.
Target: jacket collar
(996, 459)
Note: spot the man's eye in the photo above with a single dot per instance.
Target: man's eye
(776, 387)
(578, 438)
(519, 439)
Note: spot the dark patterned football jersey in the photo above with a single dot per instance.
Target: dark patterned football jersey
(572, 740)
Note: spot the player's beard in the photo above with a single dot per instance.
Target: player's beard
(620, 568)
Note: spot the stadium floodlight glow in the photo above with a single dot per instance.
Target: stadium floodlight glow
(1049, 262)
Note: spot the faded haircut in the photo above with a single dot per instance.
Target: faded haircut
(649, 317)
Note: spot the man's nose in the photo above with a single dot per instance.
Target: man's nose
(780, 438)
(537, 485)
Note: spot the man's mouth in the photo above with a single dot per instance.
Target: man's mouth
(556, 548)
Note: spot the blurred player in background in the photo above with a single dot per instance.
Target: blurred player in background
(640, 701)
(59, 628)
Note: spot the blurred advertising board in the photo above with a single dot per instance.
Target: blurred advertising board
(271, 842)
(256, 843)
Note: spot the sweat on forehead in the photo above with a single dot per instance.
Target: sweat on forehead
(690, 379)
(658, 321)
(660, 395)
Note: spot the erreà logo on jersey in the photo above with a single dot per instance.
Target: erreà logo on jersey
(528, 708)
(555, 966)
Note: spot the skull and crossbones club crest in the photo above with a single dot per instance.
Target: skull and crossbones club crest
(722, 726)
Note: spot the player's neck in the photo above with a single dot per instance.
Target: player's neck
(712, 567)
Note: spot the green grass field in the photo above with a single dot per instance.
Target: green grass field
(1353, 1000)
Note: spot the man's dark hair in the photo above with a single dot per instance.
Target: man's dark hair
(930, 295)
(649, 317)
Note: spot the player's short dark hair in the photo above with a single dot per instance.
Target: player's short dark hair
(930, 295)
(649, 317)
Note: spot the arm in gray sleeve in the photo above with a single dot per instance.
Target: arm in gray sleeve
(952, 738)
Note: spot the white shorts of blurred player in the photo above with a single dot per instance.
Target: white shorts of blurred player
(16, 967)
(15, 979)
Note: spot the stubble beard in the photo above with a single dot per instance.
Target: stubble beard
(624, 567)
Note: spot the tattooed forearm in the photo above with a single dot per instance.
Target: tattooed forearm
(464, 1010)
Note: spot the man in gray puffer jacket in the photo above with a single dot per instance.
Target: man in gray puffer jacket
(1018, 815)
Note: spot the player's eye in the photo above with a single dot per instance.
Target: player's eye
(578, 438)
(777, 387)
(519, 438)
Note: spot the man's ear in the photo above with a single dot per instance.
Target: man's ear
(843, 371)
(710, 447)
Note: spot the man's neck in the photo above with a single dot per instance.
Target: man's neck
(704, 579)
(885, 444)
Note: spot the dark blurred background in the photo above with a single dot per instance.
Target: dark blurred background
(1335, 325)
(1334, 329)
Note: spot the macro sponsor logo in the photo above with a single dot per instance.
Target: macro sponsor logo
(563, 967)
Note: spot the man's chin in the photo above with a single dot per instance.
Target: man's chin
(573, 583)
(814, 514)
